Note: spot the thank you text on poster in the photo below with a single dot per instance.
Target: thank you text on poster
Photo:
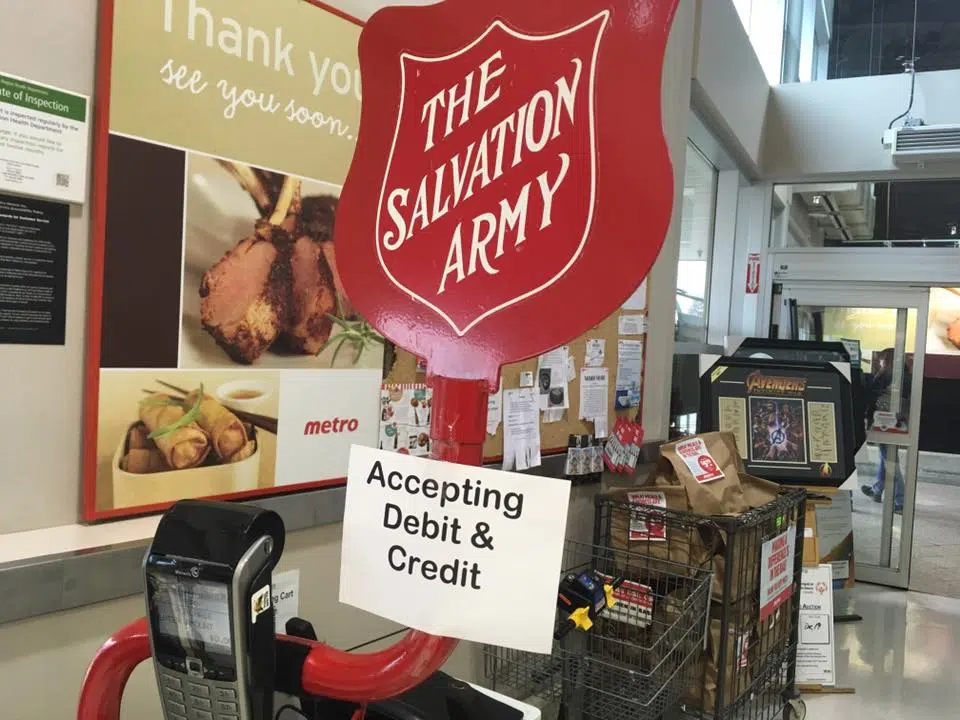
(442, 548)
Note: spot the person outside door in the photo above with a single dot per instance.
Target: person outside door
(879, 384)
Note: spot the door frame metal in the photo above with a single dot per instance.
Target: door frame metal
(884, 295)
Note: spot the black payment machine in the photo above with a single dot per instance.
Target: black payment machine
(211, 625)
(211, 629)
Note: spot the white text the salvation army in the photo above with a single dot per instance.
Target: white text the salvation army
(477, 243)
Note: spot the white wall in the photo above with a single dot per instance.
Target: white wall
(41, 413)
(662, 283)
(729, 89)
(833, 129)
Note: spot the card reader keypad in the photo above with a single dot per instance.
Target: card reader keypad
(192, 698)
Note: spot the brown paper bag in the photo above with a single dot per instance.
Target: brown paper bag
(678, 545)
(758, 492)
(708, 467)
(772, 635)
(737, 673)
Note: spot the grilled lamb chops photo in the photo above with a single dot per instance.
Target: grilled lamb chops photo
(278, 289)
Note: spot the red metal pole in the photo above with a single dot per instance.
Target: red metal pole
(458, 425)
(107, 675)
(457, 429)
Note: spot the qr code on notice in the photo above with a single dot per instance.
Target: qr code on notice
(63, 180)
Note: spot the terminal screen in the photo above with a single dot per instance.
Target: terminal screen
(193, 613)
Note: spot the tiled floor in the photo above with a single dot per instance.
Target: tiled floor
(901, 659)
(936, 546)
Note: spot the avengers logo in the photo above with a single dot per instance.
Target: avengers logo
(759, 383)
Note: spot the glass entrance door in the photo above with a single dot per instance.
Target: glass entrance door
(889, 325)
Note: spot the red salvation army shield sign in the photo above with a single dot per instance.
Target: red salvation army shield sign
(511, 184)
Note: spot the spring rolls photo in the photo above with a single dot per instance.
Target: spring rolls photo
(142, 462)
(137, 438)
(245, 452)
(185, 447)
(226, 432)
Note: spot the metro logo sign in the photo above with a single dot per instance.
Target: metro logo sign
(325, 427)
(490, 166)
(511, 185)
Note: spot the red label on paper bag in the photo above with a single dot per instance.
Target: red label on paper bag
(647, 528)
(699, 460)
(507, 152)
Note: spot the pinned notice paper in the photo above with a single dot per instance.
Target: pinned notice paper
(453, 542)
(495, 410)
(595, 352)
(632, 324)
(637, 301)
(629, 373)
(521, 429)
(553, 370)
(594, 385)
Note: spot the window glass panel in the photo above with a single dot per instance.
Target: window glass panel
(914, 214)
(696, 246)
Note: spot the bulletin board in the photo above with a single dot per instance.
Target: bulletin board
(553, 436)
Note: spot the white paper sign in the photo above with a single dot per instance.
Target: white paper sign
(286, 597)
(777, 559)
(44, 135)
(600, 427)
(521, 429)
(594, 384)
(596, 348)
(553, 369)
(495, 410)
(629, 373)
(443, 548)
(637, 301)
(632, 324)
(815, 654)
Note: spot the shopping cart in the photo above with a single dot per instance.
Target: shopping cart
(748, 671)
(637, 657)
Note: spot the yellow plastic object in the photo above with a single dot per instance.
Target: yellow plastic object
(608, 591)
(581, 618)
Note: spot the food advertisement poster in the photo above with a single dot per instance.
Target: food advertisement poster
(224, 357)
(943, 327)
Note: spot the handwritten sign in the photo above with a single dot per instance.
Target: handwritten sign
(453, 550)
(777, 560)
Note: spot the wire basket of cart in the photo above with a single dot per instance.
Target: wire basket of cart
(748, 668)
(629, 634)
